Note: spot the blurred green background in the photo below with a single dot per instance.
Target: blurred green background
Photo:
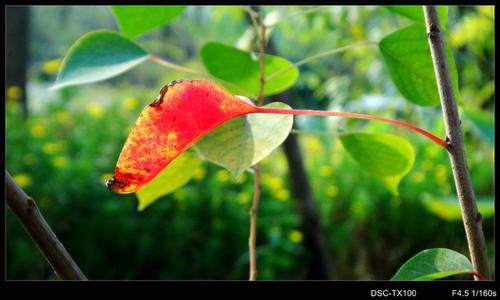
(61, 152)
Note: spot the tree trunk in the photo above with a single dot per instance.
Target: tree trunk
(16, 49)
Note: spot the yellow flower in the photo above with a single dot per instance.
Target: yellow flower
(295, 236)
(427, 165)
(243, 198)
(313, 145)
(332, 190)
(241, 179)
(418, 177)
(52, 66)
(51, 148)
(274, 183)
(222, 176)
(431, 152)
(38, 130)
(130, 103)
(14, 93)
(95, 110)
(441, 175)
(282, 195)
(326, 171)
(199, 173)
(60, 162)
(22, 179)
(62, 117)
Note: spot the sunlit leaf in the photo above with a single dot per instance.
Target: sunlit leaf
(242, 142)
(386, 156)
(416, 12)
(448, 208)
(432, 264)
(242, 68)
(96, 56)
(179, 172)
(136, 20)
(183, 113)
(483, 122)
(407, 55)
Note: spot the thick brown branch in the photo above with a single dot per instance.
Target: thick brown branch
(458, 160)
(26, 210)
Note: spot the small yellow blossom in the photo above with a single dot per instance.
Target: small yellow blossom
(51, 148)
(427, 165)
(222, 176)
(431, 152)
(38, 130)
(441, 175)
(51, 67)
(241, 179)
(243, 198)
(199, 173)
(22, 179)
(313, 145)
(60, 162)
(282, 195)
(130, 103)
(295, 236)
(326, 171)
(95, 110)
(62, 117)
(275, 183)
(14, 93)
(418, 177)
(332, 190)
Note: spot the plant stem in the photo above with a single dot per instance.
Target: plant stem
(26, 210)
(257, 187)
(310, 112)
(471, 216)
(262, 45)
(171, 65)
(253, 224)
(319, 55)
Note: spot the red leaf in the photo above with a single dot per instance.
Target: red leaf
(183, 113)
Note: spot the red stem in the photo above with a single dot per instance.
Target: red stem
(478, 276)
(310, 112)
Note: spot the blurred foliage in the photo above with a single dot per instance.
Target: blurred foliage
(68, 146)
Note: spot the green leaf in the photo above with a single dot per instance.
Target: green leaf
(483, 123)
(448, 207)
(408, 57)
(416, 13)
(96, 56)
(136, 20)
(242, 69)
(244, 141)
(432, 264)
(386, 156)
(178, 173)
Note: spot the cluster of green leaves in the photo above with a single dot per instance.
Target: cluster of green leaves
(103, 54)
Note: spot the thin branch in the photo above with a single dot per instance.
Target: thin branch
(257, 187)
(26, 210)
(253, 224)
(262, 45)
(171, 65)
(471, 216)
(319, 55)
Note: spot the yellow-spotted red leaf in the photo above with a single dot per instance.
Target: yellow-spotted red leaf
(183, 113)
